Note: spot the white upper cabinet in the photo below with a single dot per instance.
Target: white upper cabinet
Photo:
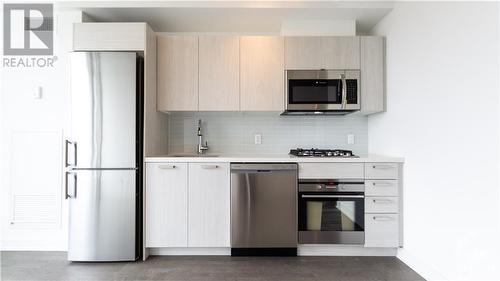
(166, 204)
(177, 74)
(322, 52)
(209, 205)
(219, 73)
(102, 36)
(261, 73)
(372, 74)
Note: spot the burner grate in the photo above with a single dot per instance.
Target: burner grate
(313, 152)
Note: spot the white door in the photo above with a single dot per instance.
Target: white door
(209, 205)
(166, 204)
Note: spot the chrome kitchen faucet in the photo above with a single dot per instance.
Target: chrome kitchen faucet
(201, 147)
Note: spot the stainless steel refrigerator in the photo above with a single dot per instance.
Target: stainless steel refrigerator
(104, 156)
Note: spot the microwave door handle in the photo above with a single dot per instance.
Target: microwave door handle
(344, 91)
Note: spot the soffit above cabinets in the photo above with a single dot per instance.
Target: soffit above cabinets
(233, 16)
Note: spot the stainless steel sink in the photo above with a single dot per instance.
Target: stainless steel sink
(192, 155)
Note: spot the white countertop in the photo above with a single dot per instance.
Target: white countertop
(271, 158)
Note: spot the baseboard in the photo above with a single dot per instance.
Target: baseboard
(302, 250)
(189, 251)
(32, 246)
(343, 250)
(422, 268)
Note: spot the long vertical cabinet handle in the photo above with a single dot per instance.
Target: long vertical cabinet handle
(66, 185)
(344, 91)
(66, 150)
(66, 195)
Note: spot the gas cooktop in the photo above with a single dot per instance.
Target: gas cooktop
(313, 152)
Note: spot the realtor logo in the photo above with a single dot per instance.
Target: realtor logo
(28, 29)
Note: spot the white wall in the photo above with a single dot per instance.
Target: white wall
(32, 136)
(442, 116)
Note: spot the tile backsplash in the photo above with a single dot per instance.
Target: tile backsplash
(233, 132)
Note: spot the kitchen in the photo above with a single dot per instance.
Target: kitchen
(209, 131)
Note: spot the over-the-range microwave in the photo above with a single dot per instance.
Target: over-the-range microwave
(333, 92)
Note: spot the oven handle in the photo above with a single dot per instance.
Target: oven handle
(333, 196)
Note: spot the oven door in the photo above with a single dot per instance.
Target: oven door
(331, 218)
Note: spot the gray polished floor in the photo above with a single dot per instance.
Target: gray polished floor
(53, 266)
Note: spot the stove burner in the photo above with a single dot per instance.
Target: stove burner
(313, 152)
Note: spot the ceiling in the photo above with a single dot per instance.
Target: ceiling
(233, 16)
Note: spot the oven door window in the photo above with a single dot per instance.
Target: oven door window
(331, 214)
(318, 91)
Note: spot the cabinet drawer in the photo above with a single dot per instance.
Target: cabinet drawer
(381, 204)
(381, 230)
(381, 188)
(331, 170)
(383, 171)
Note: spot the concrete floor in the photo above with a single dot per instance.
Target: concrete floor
(53, 266)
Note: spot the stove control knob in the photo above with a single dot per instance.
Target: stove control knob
(319, 186)
(329, 153)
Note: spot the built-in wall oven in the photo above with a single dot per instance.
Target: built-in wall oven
(331, 212)
(322, 91)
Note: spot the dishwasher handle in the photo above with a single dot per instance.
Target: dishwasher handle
(263, 168)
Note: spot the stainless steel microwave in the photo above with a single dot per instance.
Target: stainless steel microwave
(322, 92)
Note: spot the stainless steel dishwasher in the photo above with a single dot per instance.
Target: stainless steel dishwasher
(264, 209)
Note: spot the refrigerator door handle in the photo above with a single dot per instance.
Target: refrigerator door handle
(67, 164)
(66, 185)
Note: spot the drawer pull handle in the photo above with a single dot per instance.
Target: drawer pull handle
(381, 184)
(382, 167)
(209, 167)
(382, 218)
(165, 167)
(382, 201)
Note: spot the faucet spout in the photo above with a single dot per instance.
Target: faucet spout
(201, 147)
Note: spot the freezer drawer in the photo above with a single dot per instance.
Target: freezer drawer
(103, 110)
(102, 215)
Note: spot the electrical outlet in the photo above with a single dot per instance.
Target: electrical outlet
(257, 139)
(350, 138)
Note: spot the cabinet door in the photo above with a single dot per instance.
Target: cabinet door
(381, 230)
(109, 36)
(209, 205)
(322, 52)
(262, 73)
(303, 53)
(372, 74)
(219, 73)
(166, 204)
(177, 73)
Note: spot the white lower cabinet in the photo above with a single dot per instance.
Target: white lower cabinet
(381, 230)
(209, 205)
(166, 204)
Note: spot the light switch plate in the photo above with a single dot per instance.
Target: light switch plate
(257, 139)
(350, 138)
(38, 93)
